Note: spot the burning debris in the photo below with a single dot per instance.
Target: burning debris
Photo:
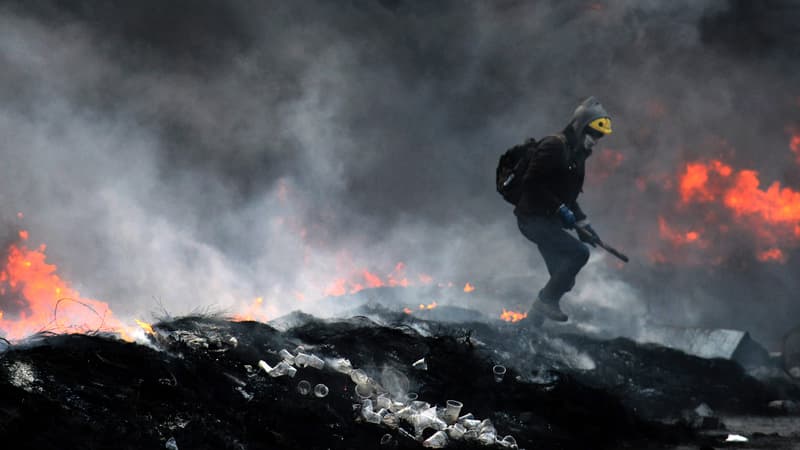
(352, 383)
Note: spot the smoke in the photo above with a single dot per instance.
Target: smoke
(205, 153)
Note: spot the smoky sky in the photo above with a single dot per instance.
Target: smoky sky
(203, 152)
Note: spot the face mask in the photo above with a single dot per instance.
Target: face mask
(588, 142)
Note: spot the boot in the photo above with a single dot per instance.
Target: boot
(549, 310)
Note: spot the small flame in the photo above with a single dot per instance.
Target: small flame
(428, 307)
(407, 310)
(253, 311)
(512, 316)
(677, 238)
(794, 145)
(145, 326)
(23, 235)
(773, 254)
(469, 288)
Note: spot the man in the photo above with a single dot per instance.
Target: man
(548, 204)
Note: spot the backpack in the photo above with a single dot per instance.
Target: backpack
(511, 169)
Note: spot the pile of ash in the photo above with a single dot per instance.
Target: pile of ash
(382, 381)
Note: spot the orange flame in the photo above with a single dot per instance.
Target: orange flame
(677, 238)
(407, 310)
(469, 288)
(428, 307)
(773, 254)
(512, 316)
(34, 298)
(368, 280)
(771, 214)
(145, 326)
(254, 311)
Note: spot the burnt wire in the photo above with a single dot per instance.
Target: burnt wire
(85, 305)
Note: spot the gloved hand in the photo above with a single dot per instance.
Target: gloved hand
(567, 216)
(590, 236)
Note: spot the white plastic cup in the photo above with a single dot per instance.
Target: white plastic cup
(321, 390)
(391, 420)
(301, 359)
(286, 355)
(382, 402)
(315, 362)
(509, 441)
(499, 372)
(411, 397)
(471, 424)
(303, 387)
(341, 365)
(437, 440)
(359, 376)
(452, 411)
(456, 431)
(363, 391)
(487, 438)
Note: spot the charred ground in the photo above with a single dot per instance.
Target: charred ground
(199, 383)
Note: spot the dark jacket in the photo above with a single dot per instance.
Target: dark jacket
(554, 176)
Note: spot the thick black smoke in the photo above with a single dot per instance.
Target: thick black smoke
(209, 152)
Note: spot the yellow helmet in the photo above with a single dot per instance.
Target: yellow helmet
(603, 125)
(590, 117)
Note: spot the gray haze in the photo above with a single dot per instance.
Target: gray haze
(204, 153)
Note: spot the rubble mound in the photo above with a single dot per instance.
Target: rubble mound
(381, 381)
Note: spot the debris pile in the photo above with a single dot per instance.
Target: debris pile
(388, 381)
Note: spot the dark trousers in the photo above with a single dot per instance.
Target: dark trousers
(563, 254)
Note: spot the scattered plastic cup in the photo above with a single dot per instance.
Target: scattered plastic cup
(509, 441)
(486, 426)
(420, 364)
(457, 431)
(304, 359)
(487, 438)
(412, 396)
(286, 355)
(303, 387)
(382, 402)
(499, 372)
(341, 365)
(391, 420)
(386, 439)
(316, 362)
(419, 405)
(363, 391)
(359, 376)
(283, 368)
(437, 440)
(321, 390)
(471, 424)
(452, 411)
